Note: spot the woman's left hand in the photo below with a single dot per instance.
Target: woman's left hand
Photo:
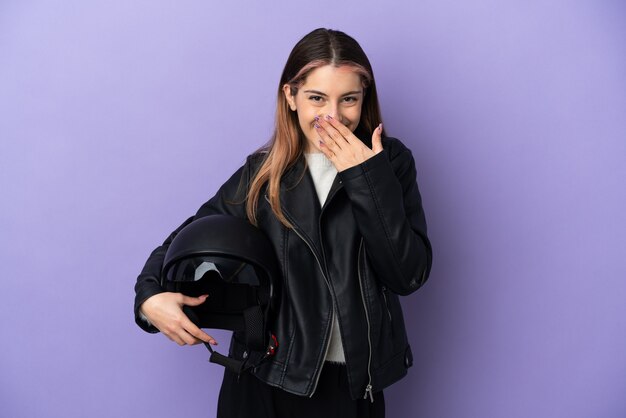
(342, 147)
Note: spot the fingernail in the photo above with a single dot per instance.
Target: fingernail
(329, 117)
(321, 143)
(380, 127)
(316, 126)
(317, 118)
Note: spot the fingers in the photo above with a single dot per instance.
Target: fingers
(377, 144)
(184, 332)
(337, 130)
(326, 151)
(334, 134)
(174, 329)
(191, 301)
(164, 311)
(191, 334)
(327, 140)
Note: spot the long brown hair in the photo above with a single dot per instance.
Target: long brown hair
(318, 48)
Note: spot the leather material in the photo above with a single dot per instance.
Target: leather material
(363, 248)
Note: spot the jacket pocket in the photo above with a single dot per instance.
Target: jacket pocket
(387, 310)
(386, 299)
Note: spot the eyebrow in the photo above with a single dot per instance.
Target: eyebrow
(324, 94)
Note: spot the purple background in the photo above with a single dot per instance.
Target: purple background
(118, 119)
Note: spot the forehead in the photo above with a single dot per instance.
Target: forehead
(333, 78)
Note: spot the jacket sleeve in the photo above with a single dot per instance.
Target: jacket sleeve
(388, 209)
(229, 200)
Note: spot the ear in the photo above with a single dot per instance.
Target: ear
(290, 99)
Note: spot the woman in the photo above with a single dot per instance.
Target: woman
(340, 204)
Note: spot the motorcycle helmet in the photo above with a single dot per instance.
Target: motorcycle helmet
(234, 263)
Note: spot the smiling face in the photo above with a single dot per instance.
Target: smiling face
(327, 90)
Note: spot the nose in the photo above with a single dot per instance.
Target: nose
(333, 111)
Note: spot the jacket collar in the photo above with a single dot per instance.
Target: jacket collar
(300, 203)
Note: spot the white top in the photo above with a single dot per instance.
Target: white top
(323, 173)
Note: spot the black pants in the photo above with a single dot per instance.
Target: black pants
(251, 398)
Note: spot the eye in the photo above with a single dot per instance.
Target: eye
(350, 99)
(316, 99)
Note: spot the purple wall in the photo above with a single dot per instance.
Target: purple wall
(118, 119)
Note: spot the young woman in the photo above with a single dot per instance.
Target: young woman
(340, 203)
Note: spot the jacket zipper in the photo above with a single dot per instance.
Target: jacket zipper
(327, 338)
(368, 388)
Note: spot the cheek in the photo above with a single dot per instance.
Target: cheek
(353, 116)
(306, 114)
(306, 120)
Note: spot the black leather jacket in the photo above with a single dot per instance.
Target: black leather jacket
(366, 246)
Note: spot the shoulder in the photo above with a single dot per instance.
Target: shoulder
(399, 155)
(249, 168)
(395, 148)
(256, 158)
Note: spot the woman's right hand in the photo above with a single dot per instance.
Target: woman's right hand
(165, 311)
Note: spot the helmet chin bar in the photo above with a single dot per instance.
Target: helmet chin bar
(251, 359)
